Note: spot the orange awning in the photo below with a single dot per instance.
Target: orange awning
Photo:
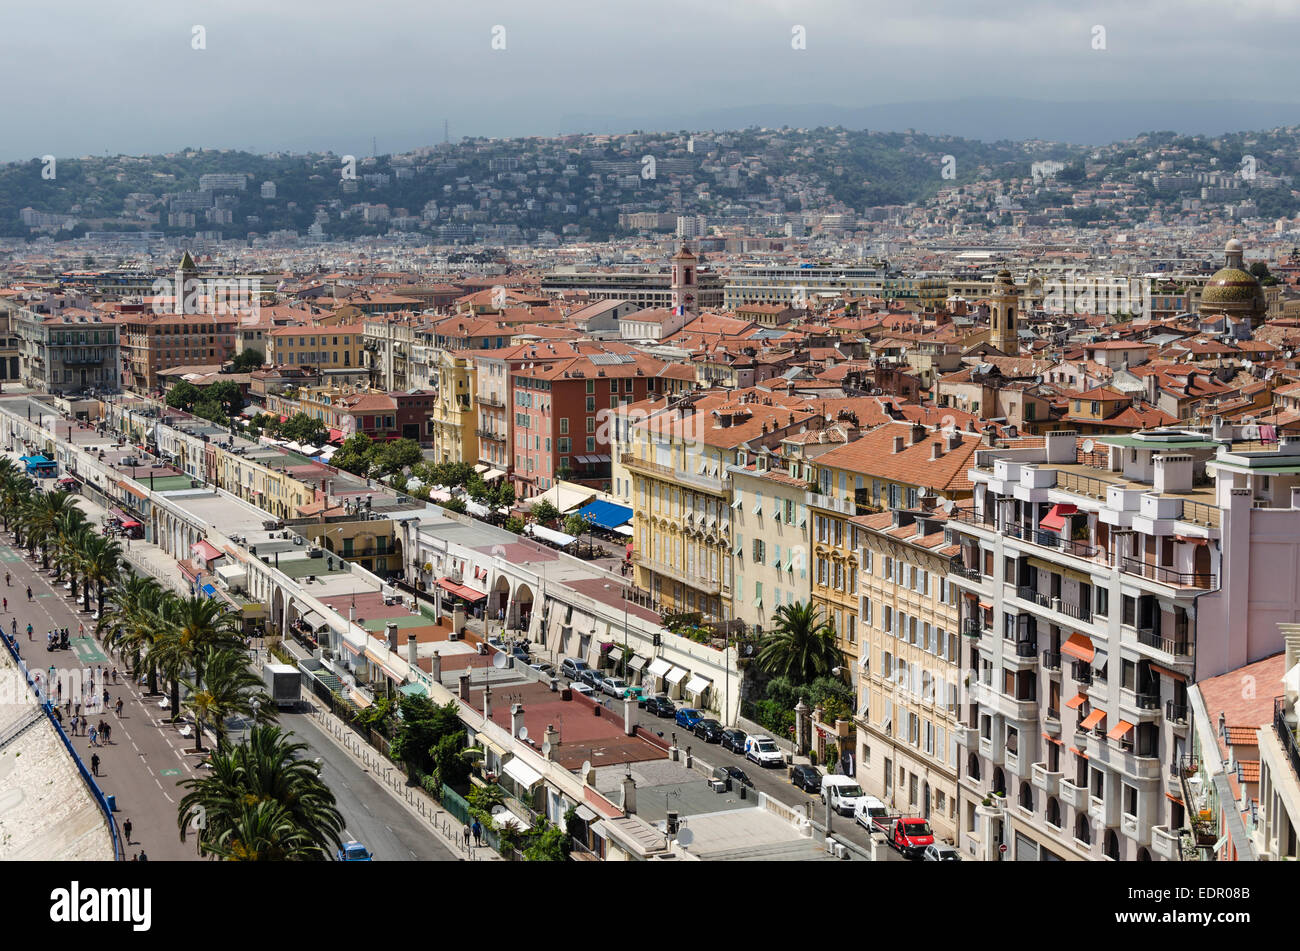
(1165, 671)
(1092, 719)
(1077, 702)
(1078, 752)
(1121, 729)
(1080, 647)
(1051, 739)
(986, 606)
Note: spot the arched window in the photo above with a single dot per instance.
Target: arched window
(1053, 813)
(973, 767)
(1082, 831)
(1111, 845)
(999, 781)
(1027, 796)
(1144, 855)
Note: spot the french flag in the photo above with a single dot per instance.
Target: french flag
(679, 310)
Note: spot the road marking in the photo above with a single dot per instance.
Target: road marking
(169, 772)
(390, 829)
(412, 854)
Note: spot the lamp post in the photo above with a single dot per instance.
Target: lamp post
(249, 731)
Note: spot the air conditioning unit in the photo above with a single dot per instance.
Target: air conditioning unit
(453, 636)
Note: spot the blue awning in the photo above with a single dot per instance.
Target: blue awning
(606, 515)
(210, 591)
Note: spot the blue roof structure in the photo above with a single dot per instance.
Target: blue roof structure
(606, 515)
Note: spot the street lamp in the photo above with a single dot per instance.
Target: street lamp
(249, 731)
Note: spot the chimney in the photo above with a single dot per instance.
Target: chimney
(1173, 472)
(412, 649)
(629, 795)
(954, 440)
(1061, 446)
(936, 449)
(918, 433)
(390, 632)
(629, 716)
(437, 667)
(516, 719)
(551, 740)
(1153, 388)
(487, 701)
(463, 691)
(898, 443)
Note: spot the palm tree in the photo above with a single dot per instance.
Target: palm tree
(261, 800)
(101, 565)
(191, 627)
(130, 622)
(44, 513)
(13, 489)
(228, 688)
(800, 645)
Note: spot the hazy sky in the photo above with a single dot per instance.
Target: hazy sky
(86, 77)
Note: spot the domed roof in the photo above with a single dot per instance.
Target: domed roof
(1233, 245)
(1231, 285)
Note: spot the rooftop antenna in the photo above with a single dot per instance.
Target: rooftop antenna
(446, 134)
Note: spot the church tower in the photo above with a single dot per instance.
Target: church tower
(685, 285)
(1002, 306)
(186, 272)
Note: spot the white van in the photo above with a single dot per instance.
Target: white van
(842, 792)
(869, 809)
(763, 751)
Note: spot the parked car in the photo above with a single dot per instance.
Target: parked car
(354, 851)
(763, 751)
(734, 740)
(661, 707)
(808, 778)
(906, 835)
(938, 852)
(587, 690)
(868, 810)
(842, 793)
(688, 717)
(614, 686)
(546, 669)
(740, 776)
(639, 694)
(710, 731)
(572, 668)
(521, 654)
(593, 678)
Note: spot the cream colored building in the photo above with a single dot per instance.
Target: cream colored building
(770, 562)
(909, 678)
(455, 433)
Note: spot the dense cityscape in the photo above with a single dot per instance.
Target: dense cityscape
(766, 493)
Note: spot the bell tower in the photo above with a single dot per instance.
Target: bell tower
(1002, 315)
(685, 279)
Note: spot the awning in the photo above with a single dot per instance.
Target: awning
(1051, 739)
(624, 529)
(414, 689)
(550, 535)
(460, 590)
(1166, 672)
(313, 620)
(1080, 647)
(209, 590)
(336, 435)
(1121, 729)
(637, 662)
(206, 550)
(492, 474)
(521, 773)
(131, 523)
(986, 606)
(605, 515)
(585, 814)
(351, 647)
(1092, 719)
(1191, 539)
(659, 667)
(1078, 752)
(1055, 517)
(698, 685)
(616, 653)
(677, 675)
(480, 468)
(1076, 702)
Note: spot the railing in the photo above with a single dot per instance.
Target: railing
(1026, 648)
(1051, 660)
(1181, 579)
(1050, 540)
(1077, 611)
(1151, 637)
(1083, 485)
(1147, 701)
(972, 573)
(492, 400)
(489, 434)
(1025, 593)
(1175, 712)
(1081, 672)
(1200, 513)
(1285, 735)
(971, 517)
(972, 627)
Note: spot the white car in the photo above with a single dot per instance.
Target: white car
(763, 751)
(614, 686)
(938, 852)
(585, 689)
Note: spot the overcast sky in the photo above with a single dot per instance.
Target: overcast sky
(84, 76)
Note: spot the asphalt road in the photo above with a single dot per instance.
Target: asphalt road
(373, 817)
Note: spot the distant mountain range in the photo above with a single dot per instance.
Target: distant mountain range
(987, 119)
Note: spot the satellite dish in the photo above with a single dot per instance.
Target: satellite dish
(586, 768)
(685, 836)
(499, 660)
(546, 748)
(950, 506)
(523, 733)
(1087, 445)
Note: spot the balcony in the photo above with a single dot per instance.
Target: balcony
(972, 627)
(1165, 843)
(1035, 536)
(1174, 646)
(1175, 579)
(995, 753)
(492, 400)
(1104, 812)
(1143, 706)
(961, 571)
(489, 434)
(1044, 779)
(966, 736)
(1073, 796)
(1128, 826)
(1081, 672)
(1025, 593)
(669, 474)
(697, 582)
(1051, 660)
(1080, 612)
(1286, 735)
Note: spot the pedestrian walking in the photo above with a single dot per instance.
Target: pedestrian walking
(114, 675)
(107, 699)
(143, 856)
(94, 763)
(29, 592)
(6, 579)
(14, 628)
(6, 604)
(478, 833)
(78, 707)
(29, 632)
(107, 733)
(126, 827)
(119, 707)
(94, 737)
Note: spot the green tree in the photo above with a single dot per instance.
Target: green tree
(515, 525)
(549, 843)
(450, 766)
(800, 644)
(183, 395)
(304, 429)
(422, 726)
(247, 360)
(228, 394)
(544, 512)
(354, 454)
(391, 457)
